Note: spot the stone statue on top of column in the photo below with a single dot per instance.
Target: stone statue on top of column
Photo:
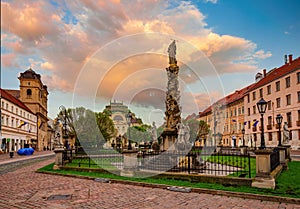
(172, 53)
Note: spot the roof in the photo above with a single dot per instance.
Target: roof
(14, 100)
(237, 95)
(277, 73)
(13, 92)
(30, 74)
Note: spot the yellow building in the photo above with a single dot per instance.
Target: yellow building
(35, 96)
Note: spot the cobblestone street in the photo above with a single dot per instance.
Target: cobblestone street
(23, 188)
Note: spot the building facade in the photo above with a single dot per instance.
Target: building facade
(33, 95)
(118, 112)
(18, 124)
(280, 88)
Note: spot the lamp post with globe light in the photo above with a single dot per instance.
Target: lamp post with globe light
(262, 106)
(279, 121)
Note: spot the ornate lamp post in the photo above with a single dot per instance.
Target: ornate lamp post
(243, 132)
(65, 136)
(279, 121)
(262, 106)
(129, 118)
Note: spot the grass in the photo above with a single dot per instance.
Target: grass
(287, 185)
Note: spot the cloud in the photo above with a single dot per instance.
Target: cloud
(62, 37)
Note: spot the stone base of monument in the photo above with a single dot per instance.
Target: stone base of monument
(130, 163)
(169, 138)
(58, 158)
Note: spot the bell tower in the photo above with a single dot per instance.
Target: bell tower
(35, 96)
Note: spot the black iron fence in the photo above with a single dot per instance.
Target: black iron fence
(198, 161)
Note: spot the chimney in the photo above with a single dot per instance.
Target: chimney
(285, 59)
(264, 72)
(290, 58)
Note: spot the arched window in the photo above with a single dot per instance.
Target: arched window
(29, 93)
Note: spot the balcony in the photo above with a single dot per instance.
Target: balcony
(298, 123)
(269, 127)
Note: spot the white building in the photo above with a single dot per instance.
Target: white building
(18, 124)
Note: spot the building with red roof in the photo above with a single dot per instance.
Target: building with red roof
(280, 88)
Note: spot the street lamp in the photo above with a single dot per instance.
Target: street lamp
(262, 106)
(65, 136)
(129, 118)
(243, 132)
(279, 121)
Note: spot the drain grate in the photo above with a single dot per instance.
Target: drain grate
(60, 197)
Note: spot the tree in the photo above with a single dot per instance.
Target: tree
(90, 129)
(203, 130)
(138, 133)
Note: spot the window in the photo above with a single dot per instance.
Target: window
(269, 89)
(12, 108)
(277, 86)
(6, 106)
(248, 98)
(254, 95)
(254, 109)
(2, 105)
(287, 82)
(29, 93)
(289, 117)
(17, 111)
(278, 102)
(239, 111)
(269, 105)
(270, 136)
(261, 92)
(298, 96)
(249, 125)
(288, 99)
(234, 111)
(248, 111)
(298, 77)
(12, 122)
(2, 119)
(242, 110)
(270, 120)
(21, 112)
(298, 115)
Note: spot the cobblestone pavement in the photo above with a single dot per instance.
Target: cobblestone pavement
(23, 188)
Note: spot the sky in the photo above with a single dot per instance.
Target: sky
(91, 52)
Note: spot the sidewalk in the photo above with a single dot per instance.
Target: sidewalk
(5, 158)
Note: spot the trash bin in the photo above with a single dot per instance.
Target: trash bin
(11, 154)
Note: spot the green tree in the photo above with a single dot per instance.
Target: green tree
(204, 129)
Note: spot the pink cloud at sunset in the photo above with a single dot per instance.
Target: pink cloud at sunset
(62, 37)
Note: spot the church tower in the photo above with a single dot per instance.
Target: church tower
(35, 96)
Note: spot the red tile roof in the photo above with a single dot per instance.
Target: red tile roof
(237, 95)
(13, 92)
(12, 99)
(277, 73)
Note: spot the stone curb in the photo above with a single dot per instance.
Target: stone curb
(195, 190)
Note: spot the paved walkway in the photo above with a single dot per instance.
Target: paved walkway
(5, 158)
(23, 188)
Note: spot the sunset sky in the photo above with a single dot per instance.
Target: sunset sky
(90, 52)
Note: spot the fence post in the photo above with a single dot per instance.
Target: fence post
(265, 177)
(189, 161)
(249, 165)
(58, 158)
